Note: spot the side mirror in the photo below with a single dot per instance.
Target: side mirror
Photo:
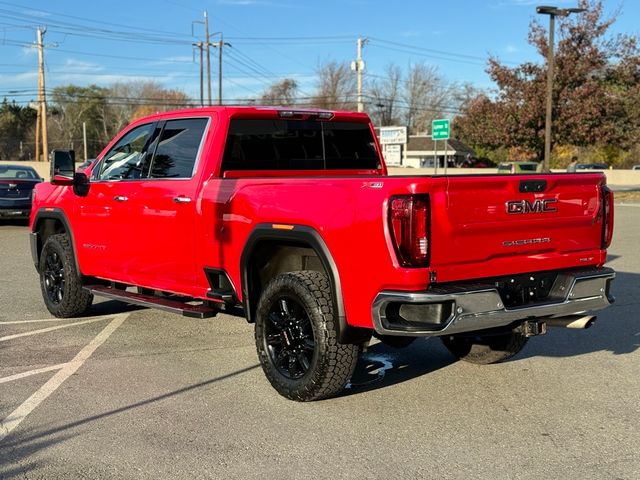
(81, 184)
(63, 164)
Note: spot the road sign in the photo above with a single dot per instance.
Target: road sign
(440, 129)
(393, 135)
(393, 154)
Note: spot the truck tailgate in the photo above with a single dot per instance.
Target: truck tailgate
(492, 226)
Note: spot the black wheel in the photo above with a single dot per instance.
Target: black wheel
(61, 286)
(296, 338)
(485, 349)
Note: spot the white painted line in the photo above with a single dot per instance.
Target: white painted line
(14, 322)
(51, 329)
(19, 414)
(18, 376)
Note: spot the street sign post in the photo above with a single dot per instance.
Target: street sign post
(440, 131)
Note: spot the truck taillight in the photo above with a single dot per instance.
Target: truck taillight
(409, 225)
(607, 217)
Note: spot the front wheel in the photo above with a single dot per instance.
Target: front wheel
(296, 338)
(485, 348)
(60, 283)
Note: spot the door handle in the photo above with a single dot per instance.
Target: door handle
(182, 199)
(120, 198)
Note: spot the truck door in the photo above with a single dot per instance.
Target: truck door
(101, 211)
(156, 247)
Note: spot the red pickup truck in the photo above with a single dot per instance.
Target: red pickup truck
(289, 218)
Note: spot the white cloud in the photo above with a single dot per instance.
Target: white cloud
(73, 65)
(511, 49)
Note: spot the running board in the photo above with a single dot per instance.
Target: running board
(152, 301)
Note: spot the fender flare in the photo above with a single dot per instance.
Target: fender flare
(34, 237)
(307, 236)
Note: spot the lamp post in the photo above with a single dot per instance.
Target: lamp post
(553, 12)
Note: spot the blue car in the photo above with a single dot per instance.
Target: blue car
(16, 189)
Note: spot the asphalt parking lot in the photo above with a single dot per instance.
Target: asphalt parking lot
(136, 393)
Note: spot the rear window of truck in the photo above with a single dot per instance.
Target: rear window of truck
(264, 144)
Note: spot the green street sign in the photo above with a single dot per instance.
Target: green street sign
(440, 129)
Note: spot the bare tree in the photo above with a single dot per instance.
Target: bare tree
(283, 92)
(336, 87)
(426, 96)
(384, 94)
(128, 101)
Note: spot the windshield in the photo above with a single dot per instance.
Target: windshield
(264, 144)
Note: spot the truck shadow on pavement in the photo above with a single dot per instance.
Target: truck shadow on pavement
(21, 445)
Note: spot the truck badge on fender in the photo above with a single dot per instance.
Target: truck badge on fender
(537, 206)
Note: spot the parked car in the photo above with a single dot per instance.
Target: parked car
(592, 166)
(635, 167)
(16, 187)
(520, 167)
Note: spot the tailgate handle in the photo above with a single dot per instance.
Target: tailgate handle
(527, 186)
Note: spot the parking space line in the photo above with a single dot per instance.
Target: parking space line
(51, 329)
(19, 414)
(18, 376)
(14, 322)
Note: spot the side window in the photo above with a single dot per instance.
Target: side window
(126, 160)
(178, 148)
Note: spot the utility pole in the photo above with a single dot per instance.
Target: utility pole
(84, 140)
(200, 46)
(42, 101)
(208, 45)
(220, 45)
(358, 67)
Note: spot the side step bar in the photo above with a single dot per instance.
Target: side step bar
(152, 301)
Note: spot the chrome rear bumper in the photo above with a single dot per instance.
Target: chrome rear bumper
(466, 308)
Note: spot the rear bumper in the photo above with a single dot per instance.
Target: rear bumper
(466, 308)
(15, 207)
(15, 212)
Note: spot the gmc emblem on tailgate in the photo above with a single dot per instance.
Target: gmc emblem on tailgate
(537, 206)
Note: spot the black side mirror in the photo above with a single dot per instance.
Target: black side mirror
(63, 164)
(81, 184)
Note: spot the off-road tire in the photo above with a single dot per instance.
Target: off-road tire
(61, 286)
(485, 349)
(330, 364)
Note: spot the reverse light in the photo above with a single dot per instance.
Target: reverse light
(607, 217)
(409, 225)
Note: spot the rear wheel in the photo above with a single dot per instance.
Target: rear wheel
(296, 338)
(59, 281)
(487, 348)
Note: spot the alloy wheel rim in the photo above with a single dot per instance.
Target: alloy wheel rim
(289, 337)
(54, 277)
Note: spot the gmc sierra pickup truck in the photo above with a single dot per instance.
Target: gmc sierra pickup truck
(289, 218)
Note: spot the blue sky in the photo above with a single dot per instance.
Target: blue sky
(106, 41)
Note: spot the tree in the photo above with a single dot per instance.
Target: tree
(283, 92)
(336, 87)
(15, 122)
(426, 96)
(595, 95)
(384, 95)
(72, 106)
(129, 101)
